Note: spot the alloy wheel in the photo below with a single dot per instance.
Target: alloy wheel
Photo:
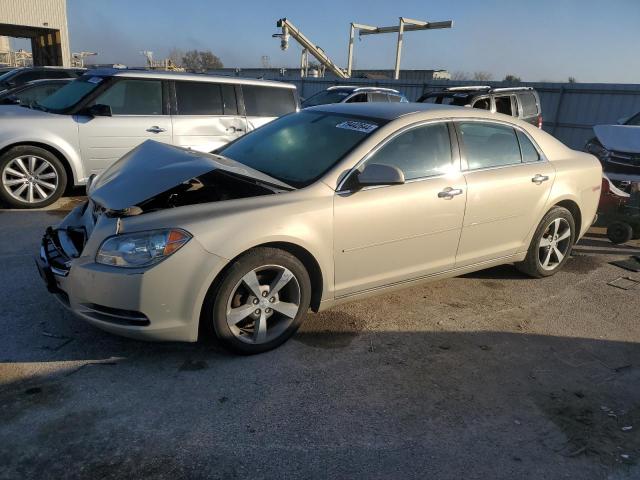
(554, 244)
(263, 304)
(30, 179)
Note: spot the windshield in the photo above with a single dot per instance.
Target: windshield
(325, 97)
(70, 94)
(6, 76)
(299, 148)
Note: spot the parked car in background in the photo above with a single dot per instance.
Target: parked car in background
(520, 102)
(18, 76)
(88, 124)
(30, 92)
(618, 148)
(353, 94)
(329, 204)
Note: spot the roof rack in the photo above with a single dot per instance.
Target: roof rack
(503, 89)
(334, 87)
(471, 87)
(382, 89)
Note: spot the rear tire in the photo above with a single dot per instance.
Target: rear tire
(551, 244)
(619, 232)
(259, 302)
(31, 177)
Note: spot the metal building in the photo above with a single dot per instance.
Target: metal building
(42, 21)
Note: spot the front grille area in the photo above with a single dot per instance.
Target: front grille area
(115, 315)
(623, 158)
(52, 252)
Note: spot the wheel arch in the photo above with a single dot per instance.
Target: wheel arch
(69, 167)
(576, 213)
(305, 256)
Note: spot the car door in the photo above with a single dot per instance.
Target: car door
(138, 113)
(508, 184)
(390, 234)
(263, 103)
(206, 115)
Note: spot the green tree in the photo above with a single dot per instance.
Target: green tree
(201, 61)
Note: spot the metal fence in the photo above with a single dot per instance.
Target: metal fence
(570, 110)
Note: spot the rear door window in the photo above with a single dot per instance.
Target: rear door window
(262, 101)
(489, 145)
(359, 98)
(199, 98)
(394, 98)
(133, 97)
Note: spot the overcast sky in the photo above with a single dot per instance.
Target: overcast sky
(594, 41)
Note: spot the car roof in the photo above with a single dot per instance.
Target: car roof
(382, 110)
(477, 89)
(200, 77)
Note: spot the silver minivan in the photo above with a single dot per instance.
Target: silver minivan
(89, 124)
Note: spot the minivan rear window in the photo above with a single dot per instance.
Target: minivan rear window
(268, 101)
(529, 105)
(199, 98)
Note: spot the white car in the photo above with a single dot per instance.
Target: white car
(89, 124)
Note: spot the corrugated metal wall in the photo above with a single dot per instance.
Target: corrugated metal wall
(570, 110)
(51, 14)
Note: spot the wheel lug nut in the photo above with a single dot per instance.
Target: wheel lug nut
(264, 294)
(255, 301)
(267, 310)
(272, 299)
(257, 312)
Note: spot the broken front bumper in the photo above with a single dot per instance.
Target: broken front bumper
(162, 302)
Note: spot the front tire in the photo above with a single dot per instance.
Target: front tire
(551, 244)
(260, 301)
(31, 177)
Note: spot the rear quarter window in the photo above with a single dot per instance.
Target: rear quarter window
(268, 101)
(529, 104)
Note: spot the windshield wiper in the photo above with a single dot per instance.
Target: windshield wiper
(36, 106)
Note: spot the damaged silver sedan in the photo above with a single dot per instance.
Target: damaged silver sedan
(326, 205)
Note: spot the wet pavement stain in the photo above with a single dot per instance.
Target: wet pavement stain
(330, 330)
(582, 264)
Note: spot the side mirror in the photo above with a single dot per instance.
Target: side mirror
(379, 174)
(99, 110)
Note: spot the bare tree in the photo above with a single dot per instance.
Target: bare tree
(459, 75)
(482, 76)
(175, 56)
(572, 80)
(201, 60)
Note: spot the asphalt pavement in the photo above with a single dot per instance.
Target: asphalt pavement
(491, 375)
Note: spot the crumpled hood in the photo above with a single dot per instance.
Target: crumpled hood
(153, 168)
(621, 138)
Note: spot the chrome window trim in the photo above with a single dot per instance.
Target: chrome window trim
(463, 159)
(454, 155)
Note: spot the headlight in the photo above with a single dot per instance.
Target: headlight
(595, 148)
(141, 249)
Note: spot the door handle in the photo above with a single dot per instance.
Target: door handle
(448, 193)
(156, 129)
(538, 179)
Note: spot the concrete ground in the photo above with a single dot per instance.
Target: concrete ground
(492, 375)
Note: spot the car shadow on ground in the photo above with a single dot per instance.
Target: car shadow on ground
(530, 403)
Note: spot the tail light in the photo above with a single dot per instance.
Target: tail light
(539, 121)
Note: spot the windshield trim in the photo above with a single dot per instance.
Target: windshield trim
(381, 122)
(74, 108)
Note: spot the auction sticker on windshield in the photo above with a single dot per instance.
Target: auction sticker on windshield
(357, 126)
(95, 80)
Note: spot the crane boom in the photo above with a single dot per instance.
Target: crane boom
(289, 29)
